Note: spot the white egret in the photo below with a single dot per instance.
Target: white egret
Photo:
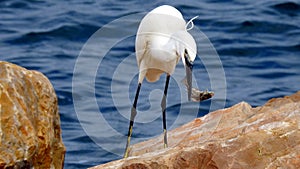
(162, 39)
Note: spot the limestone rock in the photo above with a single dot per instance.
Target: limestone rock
(30, 124)
(238, 137)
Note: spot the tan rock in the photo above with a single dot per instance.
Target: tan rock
(239, 137)
(30, 124)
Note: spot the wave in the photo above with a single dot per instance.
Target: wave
(289, 8)
(62, 32)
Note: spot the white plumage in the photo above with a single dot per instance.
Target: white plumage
(161, 40)
(160, 43)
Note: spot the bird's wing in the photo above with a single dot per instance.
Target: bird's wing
(142, 43)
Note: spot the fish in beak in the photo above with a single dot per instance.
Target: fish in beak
(188, 69)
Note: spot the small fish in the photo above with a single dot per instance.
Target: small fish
(198, 95)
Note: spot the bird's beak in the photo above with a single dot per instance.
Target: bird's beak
(188, 69)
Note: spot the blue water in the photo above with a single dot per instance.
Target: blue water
(258, 43)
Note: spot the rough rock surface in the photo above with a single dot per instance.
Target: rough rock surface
(239, 137)
(30, 124)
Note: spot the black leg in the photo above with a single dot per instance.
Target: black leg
(163, 106)
(132, 116)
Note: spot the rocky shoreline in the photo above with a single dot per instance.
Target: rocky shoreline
(264, 137)
(237, 137)
(29, 119)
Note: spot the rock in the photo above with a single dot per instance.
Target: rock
(238, 137)
(30, 124)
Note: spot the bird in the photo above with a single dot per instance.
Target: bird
(162, 39)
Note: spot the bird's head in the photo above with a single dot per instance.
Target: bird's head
(186, 49)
